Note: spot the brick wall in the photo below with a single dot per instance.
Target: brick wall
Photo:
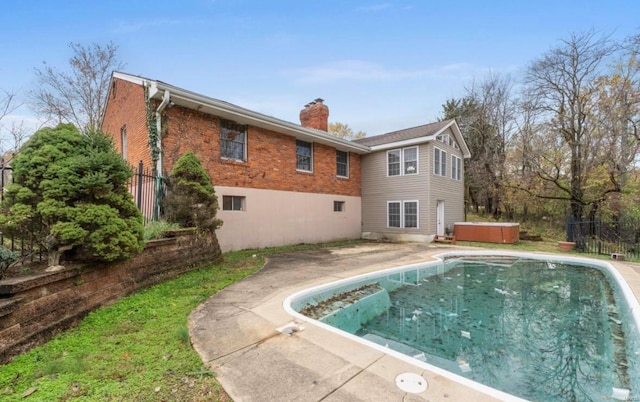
(271, 156)
(33, 309)
(126, 107)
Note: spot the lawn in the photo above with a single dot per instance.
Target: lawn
(137, 349)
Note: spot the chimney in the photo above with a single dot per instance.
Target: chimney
(315, 115)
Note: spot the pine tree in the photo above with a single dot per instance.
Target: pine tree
(70, 192)
(191, 200)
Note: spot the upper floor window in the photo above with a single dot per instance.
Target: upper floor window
(233, 140)
(439, 162)
(456, 165)
(393, 162)
(342, 163)
(123, 141)
(410, 156)
(402, 161)
(448, 139)
(304, 156)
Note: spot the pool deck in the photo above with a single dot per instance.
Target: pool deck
(235, 333)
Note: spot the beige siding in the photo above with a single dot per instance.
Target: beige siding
(447, 189)
(427, 189)
(275, 218)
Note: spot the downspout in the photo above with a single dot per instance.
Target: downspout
(165, 101)
(159, 183)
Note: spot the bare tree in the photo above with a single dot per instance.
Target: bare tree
(486, 119)
(78, 94)
(16, 132)
(562, 82)
(8, 103)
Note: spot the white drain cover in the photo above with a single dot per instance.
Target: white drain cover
(411, 382)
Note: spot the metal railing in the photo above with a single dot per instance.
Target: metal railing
(606, 237)
(148, 192)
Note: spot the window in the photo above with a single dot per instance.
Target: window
(410, 214)
(233, 140)
(402, 214)
(304, 155)
(338, 206)
(393, 162)
(410, 160)
(393, 214)
(232, 203)
(456, 164)
(447, 139)
(342, 163)
(439, 162)
(406, 157)
(123, 141)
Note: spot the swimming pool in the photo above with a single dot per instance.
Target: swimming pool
(508, 324)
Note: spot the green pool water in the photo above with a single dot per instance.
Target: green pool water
(536, 329)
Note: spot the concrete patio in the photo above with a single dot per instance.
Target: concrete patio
(235, 333)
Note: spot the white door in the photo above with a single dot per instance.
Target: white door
(440, 218)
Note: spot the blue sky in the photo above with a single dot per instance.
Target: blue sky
(380, 66)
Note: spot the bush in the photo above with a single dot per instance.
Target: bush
(157, 229)
(70, 192)
(7, 257)
(191, 200)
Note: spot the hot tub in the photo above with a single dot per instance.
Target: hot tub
(488, 232)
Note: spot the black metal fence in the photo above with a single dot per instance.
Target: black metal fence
(146, 189)
(601, 236)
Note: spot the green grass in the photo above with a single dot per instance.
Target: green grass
(137, 349)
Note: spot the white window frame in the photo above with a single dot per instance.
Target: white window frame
(399, 212)
(224, 140)
(234, 198)
(300, 155)
(439, 162)
(339, 206)
(402, 162)
(456, 167)
(404, 214)
(399, 163)
(403, 217)
(346, 164)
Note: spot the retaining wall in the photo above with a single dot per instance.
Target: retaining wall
(34, 308)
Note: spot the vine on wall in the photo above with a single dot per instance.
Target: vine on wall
(152, 129)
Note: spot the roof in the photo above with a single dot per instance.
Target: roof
(205, 104)
(415, 135)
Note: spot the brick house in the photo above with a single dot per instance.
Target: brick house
(284, 183)
(277, 182)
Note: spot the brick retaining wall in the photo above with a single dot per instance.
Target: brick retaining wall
(33, 309)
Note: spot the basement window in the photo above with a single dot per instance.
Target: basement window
(233, 203)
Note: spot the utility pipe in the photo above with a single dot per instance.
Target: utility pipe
(165, 101)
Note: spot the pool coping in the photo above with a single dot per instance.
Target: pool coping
(260, 351)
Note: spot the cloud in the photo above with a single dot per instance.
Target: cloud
(358, 70)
